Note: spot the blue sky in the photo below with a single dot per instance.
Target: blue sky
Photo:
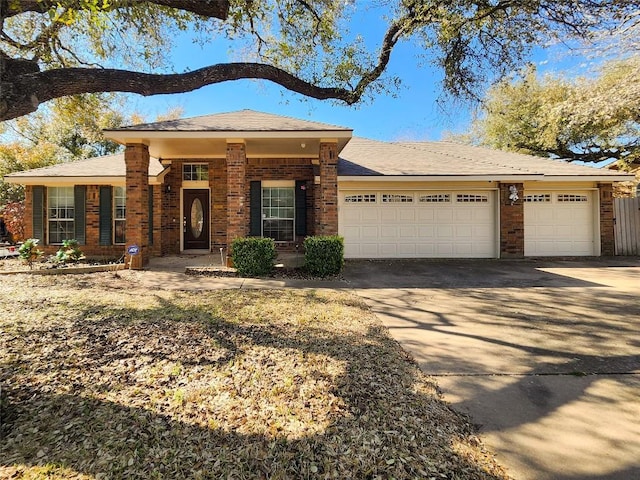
(411, 114)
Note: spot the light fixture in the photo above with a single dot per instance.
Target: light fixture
(303, 145)
(513, 194)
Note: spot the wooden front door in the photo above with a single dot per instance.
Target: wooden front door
(195, 219)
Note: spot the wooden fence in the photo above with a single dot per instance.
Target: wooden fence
(627, 226)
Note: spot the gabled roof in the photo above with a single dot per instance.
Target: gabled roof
(95, 171)
(364, 157)
(238, 121)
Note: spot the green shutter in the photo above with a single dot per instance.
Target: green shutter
(150, 215)
(79, 207)
(38, 213)
(106, 219)
(301, 207)
(255, 210)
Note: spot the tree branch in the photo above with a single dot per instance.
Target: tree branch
(207, 8)
(22, 94)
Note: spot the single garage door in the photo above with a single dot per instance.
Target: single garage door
(559, 223)
(418, 224)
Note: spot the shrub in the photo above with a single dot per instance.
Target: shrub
(29, 251)
(253, 256)
(324, 255)
(14, 219)
(69, 252)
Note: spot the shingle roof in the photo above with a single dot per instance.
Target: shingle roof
(105, 166)
(363, 157)
(239, 121)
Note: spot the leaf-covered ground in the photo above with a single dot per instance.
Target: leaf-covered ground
(101, 379)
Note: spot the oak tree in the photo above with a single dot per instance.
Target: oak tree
(589, 119)
(54, 48)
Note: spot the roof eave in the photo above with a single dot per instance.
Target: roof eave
(83, 180)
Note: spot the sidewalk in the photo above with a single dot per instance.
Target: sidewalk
(168, 273)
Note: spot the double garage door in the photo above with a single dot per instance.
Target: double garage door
(462, 224)
(410, 224)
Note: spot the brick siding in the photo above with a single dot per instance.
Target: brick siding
(511, 223)
(607, 240)
(327, 213)
(137, 178)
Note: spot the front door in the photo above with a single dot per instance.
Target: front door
(195, 219)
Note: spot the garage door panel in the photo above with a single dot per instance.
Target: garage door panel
(407, 214)
(407, 231)
(369, 232)
(388, 231)
(368, 214)
(426, 231)
(427, 228)
(560, 228)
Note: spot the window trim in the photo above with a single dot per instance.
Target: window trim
(114, 217)
(69, 221)
(280, 184)
(195, 164)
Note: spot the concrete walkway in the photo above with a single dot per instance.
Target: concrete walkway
(544, 356)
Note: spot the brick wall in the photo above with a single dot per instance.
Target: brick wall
(511, 223)
(607, 240)
(327, 207)
(237, 208)
(171, 216)
(137, 161)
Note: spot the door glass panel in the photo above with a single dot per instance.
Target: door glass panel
(197, 218)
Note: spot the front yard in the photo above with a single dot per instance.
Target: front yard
(101, 379)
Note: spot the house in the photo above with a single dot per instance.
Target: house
(195, 184)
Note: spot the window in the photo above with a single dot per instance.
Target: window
(60, 214)
(119, 214)
(396, 198)
(361, 198)
(565, 197)
(195, 172)
(537, 198)
(435, 198)
(278, 213)
(468, 198)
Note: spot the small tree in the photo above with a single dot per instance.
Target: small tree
(14, 219)
(29, 251)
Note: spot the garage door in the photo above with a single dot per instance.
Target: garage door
(559, 223)
(418, 224)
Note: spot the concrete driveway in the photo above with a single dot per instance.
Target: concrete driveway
(544, 355)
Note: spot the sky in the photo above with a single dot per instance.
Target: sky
(413, 113)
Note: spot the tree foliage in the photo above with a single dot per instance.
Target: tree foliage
(50, 49)
(586, 119)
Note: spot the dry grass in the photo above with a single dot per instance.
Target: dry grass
(103, 380)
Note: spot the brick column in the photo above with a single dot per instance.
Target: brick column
(327, 219)
(607, 240)
(511, 222)
(237, 214)
(136, 158)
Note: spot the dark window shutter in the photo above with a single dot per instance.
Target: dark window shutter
(301, 207)
(106, 211)
(255, 225)
(38, 213)
(150, 214)
(80, 217)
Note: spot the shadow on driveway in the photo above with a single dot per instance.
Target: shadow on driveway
(543, 354)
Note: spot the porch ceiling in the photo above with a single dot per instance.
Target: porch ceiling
(197, 145)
